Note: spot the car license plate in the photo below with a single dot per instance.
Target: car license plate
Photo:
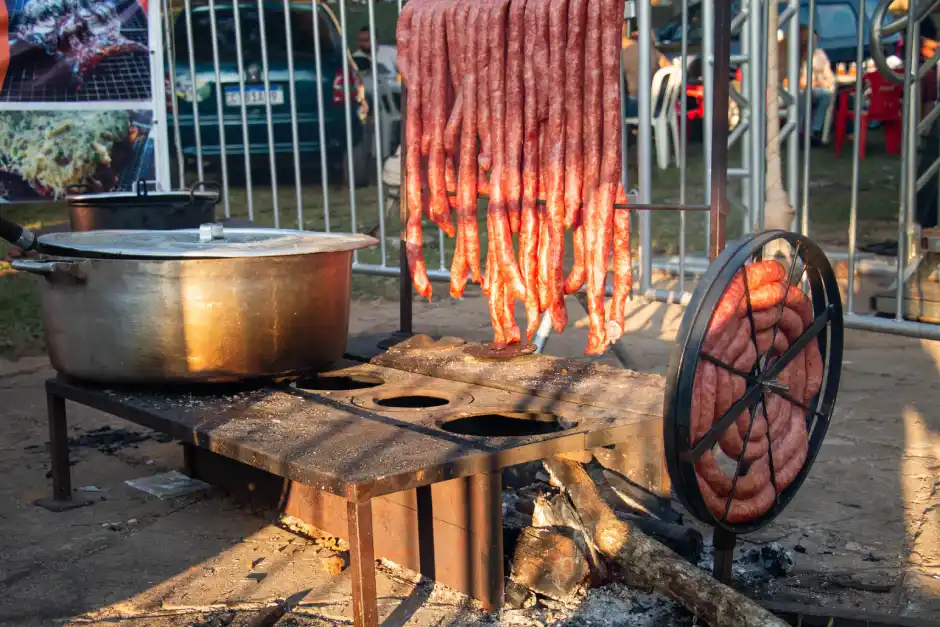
(254, 96)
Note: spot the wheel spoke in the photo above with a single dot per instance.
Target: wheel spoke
(721, 425)
(740, 460)
(808, 335)
(717, 362)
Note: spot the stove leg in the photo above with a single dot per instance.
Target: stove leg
(59, 450)
(362, 564)
(486, 533)
(189, 460)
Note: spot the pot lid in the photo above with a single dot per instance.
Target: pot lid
(211, 241)
(148, 191)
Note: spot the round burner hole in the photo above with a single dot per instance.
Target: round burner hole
(412, 401)
(338, 383)
(507, 424)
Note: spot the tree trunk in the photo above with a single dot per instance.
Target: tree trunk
(648, 564)
(778, 214)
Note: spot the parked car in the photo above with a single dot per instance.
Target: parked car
(836, 24)
(305, 78)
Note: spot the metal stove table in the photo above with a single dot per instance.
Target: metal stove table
(414, 418)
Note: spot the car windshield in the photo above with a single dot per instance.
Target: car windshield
(302, 35)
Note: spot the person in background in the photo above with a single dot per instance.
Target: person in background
(631, 66)
(363, 54)
(823, 84)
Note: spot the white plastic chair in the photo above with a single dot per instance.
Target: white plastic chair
(664, 93)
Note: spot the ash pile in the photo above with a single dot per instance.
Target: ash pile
(585, 547)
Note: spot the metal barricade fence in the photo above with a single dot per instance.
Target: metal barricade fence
(327, 140)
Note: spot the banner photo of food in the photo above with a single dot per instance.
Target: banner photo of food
(74, 51)
(43, 153)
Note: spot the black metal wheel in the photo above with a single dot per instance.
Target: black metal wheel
(694, 434)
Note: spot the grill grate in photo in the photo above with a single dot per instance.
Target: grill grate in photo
(119, 77)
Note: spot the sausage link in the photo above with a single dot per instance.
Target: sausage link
(747, 485)
(574, 86)
(511, 332)
(514, 111)
(555, 201)
(437, 185)
(610, 165)
(623, 275)
(576, 277)
(741, 510)
(404, 40)
(413, 183)
(483, 92)
(424, 68)
(502, 233)
(467, 175)
(592, 166)
(529, 223)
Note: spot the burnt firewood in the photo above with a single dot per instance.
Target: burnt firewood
(551, 561)
(647, 563)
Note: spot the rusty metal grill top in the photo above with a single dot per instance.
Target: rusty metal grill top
(348, 443)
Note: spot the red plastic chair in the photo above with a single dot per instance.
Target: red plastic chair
(884, 107)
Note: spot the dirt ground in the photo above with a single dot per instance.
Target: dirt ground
(864, 530)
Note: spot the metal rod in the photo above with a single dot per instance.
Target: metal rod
(719, 145)
(246, 138)
(219, 105)
(744, 131)
(789, 132)
(807, 113)
(377, 126)
(170, 38)
(645, 141)
(321, 123)
(758, 114)
(187, 7)
(909, 160)
(905, 328)
(856, 161)
(405, 304)
(543, 332)
(708, 71)
(298, 174)
(347, 106)
(684, 140)
(269, 115)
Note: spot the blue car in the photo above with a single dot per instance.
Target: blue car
(836, 24)
(332, 49)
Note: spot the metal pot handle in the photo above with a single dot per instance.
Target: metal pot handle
(209, 186)
(51, 268)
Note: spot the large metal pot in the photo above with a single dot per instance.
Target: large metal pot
(145, 207)
(196, 305)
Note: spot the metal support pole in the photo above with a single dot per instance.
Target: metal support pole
(645, 143)
(719, 146)
(405, 312)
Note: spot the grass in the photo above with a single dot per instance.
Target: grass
(829, 197)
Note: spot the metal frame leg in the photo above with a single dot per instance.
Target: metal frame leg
(362, 564)
(59, 457)
(723, 542)
(486, 536)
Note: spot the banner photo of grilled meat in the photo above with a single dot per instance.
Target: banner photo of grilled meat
(74, 51)
(43, 153)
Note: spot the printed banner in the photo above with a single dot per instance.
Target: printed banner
(73, 51)
(44, 153)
